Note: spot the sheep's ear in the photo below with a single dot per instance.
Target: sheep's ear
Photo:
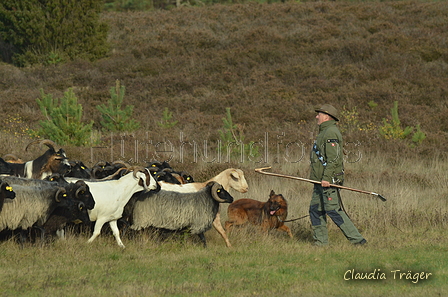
(235, 175)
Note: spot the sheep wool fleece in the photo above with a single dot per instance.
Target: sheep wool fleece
(327, 165)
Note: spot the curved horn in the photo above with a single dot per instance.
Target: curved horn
(112, 176)
(81, 205)
(11, 156)
(215, 190)
(82, 188)
(145, 171)
(31, 143)
(100, 163)
(50, 144)
(94, 170)
(47, 142)
(121, 163)
(60, 190)
(137, 169)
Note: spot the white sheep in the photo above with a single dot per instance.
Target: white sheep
(169, 210)
(111, 196)
(229, 178)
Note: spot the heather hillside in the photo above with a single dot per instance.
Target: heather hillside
(271, 63)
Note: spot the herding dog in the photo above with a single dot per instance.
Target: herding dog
(268, 215)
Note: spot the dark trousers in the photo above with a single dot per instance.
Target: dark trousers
(325, 201)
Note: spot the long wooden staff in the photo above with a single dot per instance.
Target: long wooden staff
(260, 170)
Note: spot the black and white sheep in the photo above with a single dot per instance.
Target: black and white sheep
(180, 211)
(112, 195)
(52, 161)
(35, 202)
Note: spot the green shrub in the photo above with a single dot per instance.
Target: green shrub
(418, 136)
(115, 118)
(393, 130)
(166, 121)
(53, 31)
(232, 139)
(63, 124)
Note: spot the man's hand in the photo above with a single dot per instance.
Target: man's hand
(325, 184)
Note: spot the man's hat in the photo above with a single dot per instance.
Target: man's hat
(330, 110)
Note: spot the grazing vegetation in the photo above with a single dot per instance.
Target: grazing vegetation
(52, 32)
(115, 118)
(272, 64)
(63, 119)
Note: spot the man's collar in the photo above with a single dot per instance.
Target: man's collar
(326, 124)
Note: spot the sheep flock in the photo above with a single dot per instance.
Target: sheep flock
(39, 198)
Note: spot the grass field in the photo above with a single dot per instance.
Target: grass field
(406, 254)
(273, 64)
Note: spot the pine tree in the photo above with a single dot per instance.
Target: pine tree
(114, 117)
(64, 119)
(49, 31)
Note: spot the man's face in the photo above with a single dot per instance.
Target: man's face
(322, 117)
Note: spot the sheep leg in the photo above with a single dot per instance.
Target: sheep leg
(22, 238)
(60, 233)
(42, 234)
(97, 230)
(220, 229)
(125, 225)
(202, 237)
(113, 225)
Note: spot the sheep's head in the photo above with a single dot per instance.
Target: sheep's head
(219, 193)
(7, 190)
(55, 159)
(78, 169)
(237, 180)
(83, 194)
(146, 180)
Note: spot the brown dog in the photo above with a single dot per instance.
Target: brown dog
(268, 215)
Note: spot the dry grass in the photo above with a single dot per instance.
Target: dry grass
(272, 64)
(405, 233)
(198, 61)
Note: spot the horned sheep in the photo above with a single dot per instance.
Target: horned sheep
(112, 195)
(35, 202)
(52, 161)
(6, 192)
(193, 211)
(229, 178)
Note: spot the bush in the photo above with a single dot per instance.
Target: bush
(53, 31)
(116, 119)
(393, 130)
(63, 124)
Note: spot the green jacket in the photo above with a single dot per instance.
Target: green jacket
(329, 144)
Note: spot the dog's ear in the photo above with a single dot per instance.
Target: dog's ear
(272, 193)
